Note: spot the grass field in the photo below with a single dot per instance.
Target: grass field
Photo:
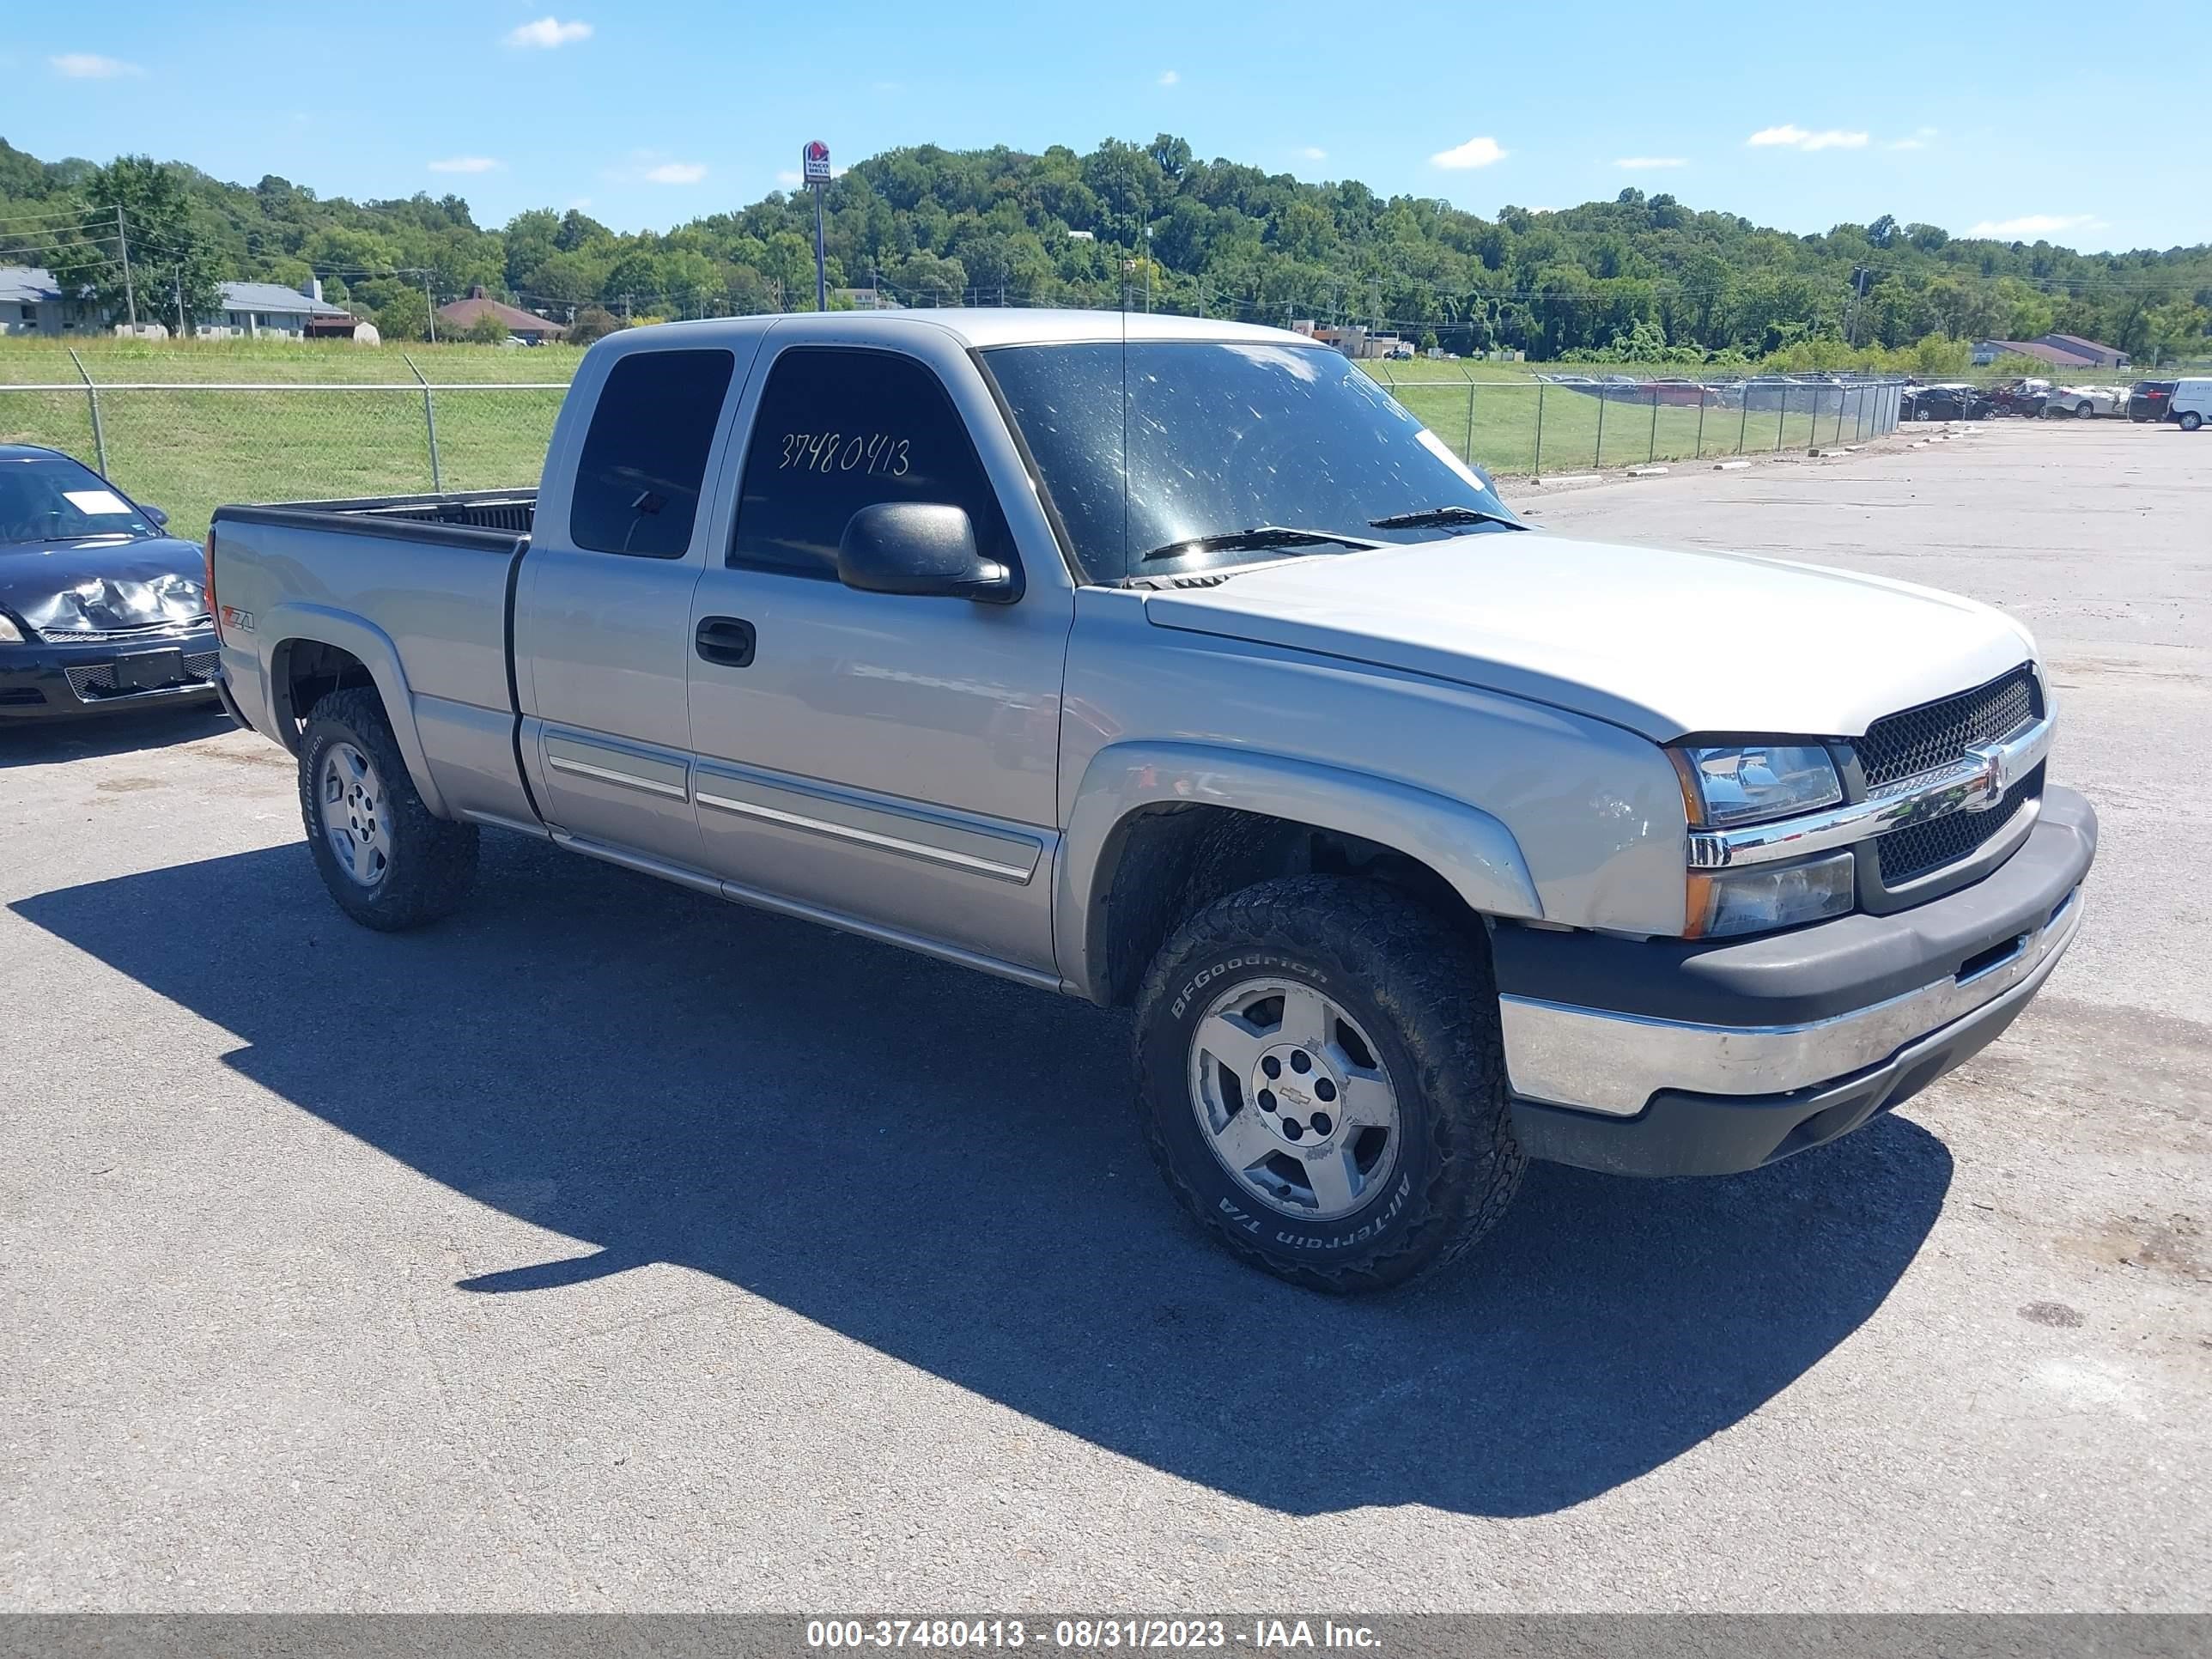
(349, 421)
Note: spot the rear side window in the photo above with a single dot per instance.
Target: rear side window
(645, 457)
(840, 429)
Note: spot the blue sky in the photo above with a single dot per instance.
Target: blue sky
(2017, 120)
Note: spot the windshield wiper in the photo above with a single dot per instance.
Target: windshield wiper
(1259, 536)
(1443, 515)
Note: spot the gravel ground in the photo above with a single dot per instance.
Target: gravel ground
(607, 1247)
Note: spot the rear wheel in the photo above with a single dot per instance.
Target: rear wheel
(2082, 411)
(2190, 421)
(389, 863)
(1322, 1085)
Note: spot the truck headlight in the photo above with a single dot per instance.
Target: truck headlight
(9, 633)
(1748, 783)
(1764, 897)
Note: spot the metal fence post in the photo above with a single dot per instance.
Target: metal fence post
(1539, 430)
(429, 425)
(92, 397)
(1597, 455)
(1743, 422)
(1651, 450)
(1700, 455)
(1469, 452)
(1781, 419)
(1840, 416)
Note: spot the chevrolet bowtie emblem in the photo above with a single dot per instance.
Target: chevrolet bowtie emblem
(1986, 787)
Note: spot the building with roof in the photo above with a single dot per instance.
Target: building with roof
(2068, 351)
(32, 302)
(528, 327)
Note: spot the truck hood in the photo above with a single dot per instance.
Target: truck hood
(1665, 642)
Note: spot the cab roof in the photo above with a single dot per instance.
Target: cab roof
(981, 327)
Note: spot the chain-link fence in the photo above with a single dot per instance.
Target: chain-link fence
(189, 448)
(1575, 424)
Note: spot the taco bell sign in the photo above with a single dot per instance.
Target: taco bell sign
(814, 161)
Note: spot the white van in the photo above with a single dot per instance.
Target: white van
(2192, 403)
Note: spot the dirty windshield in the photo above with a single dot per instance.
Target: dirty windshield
(1227, 449)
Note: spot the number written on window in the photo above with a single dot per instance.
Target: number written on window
(846, 452)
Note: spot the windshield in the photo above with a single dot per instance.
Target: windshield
(1229, 447)
(51, 498)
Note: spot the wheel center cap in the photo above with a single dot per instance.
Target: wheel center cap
(1300, 1095)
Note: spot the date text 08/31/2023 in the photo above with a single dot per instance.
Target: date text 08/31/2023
(1090, 1634)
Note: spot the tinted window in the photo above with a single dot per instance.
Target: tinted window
(645, 458)
(838, 430)
(1149, 447)
(51, 498)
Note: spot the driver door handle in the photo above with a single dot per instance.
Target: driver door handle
(725, 640)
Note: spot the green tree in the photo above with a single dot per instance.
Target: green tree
(487, 330)
(173, 273)
(404, 316)
(593, 322)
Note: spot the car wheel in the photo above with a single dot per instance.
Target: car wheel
(1322, 1084)
(2083, 411)
(389, 862)
(2192, 420)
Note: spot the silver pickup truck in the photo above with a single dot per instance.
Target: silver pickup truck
(1171, 665)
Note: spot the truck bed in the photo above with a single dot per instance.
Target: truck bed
(490, 518)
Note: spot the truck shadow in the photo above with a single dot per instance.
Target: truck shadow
(946, 1168)
(42, 743)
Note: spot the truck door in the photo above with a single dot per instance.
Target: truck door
(886, 758)
(602, 628)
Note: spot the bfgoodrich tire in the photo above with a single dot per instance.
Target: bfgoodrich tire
(388, 861)
(1322, 1083)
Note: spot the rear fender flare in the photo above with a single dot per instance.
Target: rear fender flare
(1468, 847)
(372, 647)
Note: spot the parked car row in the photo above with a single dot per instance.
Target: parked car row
(2186, 402)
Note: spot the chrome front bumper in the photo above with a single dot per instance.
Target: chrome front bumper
(1598, 1060)
(1693, 1056)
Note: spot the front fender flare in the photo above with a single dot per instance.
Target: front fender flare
(290, 624)
(1469, 848)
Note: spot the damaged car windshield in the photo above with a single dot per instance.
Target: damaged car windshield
(51, 498)
(1218, 446)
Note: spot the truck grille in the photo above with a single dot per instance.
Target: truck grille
(1905, 745)
(1903, 854)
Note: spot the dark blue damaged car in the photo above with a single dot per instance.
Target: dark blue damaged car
(100, 609)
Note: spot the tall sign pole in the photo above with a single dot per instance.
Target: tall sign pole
(814, 164)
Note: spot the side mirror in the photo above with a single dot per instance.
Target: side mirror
(919, 548)
(161, 519)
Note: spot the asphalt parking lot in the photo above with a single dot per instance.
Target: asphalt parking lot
(608, 1248)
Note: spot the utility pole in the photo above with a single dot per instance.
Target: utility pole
(177, 276)
(430, 307)
(130, 294)
(1148, 270)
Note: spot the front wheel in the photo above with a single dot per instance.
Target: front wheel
(389, 863)
(1322, 1084)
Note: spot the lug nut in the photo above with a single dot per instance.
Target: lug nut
(1300, 1062)
(1293, 1129)
(1266, 1100)
(1325, 1088)
(1322, 1123)
(1272, 1067)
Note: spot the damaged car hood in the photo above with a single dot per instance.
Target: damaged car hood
(103, 584)
(1665, 642)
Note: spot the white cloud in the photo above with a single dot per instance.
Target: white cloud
(1474, 153)
(1314, 153)
(467, 164)
(2034, 224)
(1169, 77)
(677, 173)
(91, 66)
(547, 33)
(1637, 163)
(1918, 141)
(790, 177)
(1790, 136)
